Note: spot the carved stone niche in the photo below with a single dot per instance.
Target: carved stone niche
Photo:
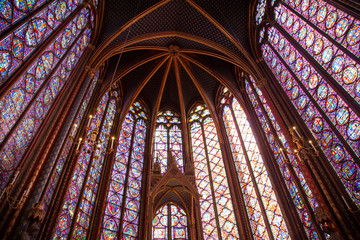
(36, 215)
(172, 187)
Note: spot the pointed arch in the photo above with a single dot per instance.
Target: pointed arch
(217, 211)
(310, 48)
(122, 207)
(168, 137)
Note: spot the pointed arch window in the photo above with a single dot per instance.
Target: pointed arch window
(29, 95)
(263, 209)
(216, 207)
(168, 137)
(54, 178)
(170, 222)
(80, 197)
(313, 51)
(20, 43)
(13, 11)
(296, 184)
(121, 216)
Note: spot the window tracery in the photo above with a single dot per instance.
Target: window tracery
(121, 216)
(264, 211)
(170, 220)
(28, 98)
(168, 138)
(216, 207)
(313, 51)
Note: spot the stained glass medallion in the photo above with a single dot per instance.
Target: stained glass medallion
(21, 137)
(24, 40)
(127, 170)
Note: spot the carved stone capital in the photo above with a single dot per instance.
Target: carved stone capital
(259, 59)
(91, 46)
(262, 82)
(91, 71)
(38, 211)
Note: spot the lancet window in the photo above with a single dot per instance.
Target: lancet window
(170, 223)
(313, 51)
(294, 179)
(72, 132)
(168, 137)
(77, 209)
(122, 209)
(59, 35)
(216, 207)
(264, 212)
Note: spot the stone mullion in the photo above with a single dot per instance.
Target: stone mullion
(59, 195)
(169, 220)
(320, 191)
(43, 156)
(259, 199)
(289, 166)
(243, 223)
(277, 180)
(168, 145)
(104, 183)
(320, 110)
(34, 98)
(330, 39)
(5, 88)
(351, 7)
(24, 20)
(144, 183)
(87, 174)
(336, 86)
(185, 145)
(211, 181)
(126, 185)
(48, 181)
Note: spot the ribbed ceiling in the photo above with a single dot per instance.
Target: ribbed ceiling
(199, 39)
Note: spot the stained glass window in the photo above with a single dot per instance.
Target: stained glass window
(170, 223)
(22, 93)
(313, 51)
(260, 200)
(30, 95)
(217, 211)
(19, 44)
(126, 178)
(80, 197)
(69, 142)
(168, 137)
(13, 11)
(304, 201)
